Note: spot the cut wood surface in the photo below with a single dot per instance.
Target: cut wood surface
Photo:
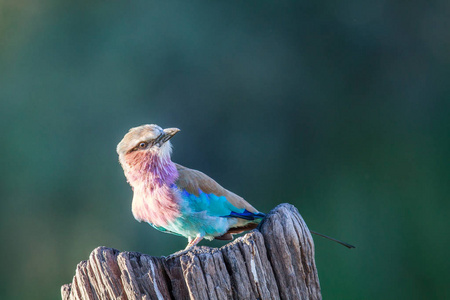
(274, 261)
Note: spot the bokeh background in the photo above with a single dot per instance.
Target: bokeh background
(338, 107)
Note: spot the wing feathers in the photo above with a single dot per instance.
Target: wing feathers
(193, 181)
(246, 215)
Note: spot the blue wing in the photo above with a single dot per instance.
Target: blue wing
(218, 206)
(204, 193)
(247, 215)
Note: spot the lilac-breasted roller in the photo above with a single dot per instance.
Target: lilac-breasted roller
(179, 200)
(176, 199)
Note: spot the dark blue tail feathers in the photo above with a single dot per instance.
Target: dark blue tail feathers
(246, 215)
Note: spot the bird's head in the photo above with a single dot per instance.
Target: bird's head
(145, 141)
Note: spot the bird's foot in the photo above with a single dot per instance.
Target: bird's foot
(193, 242)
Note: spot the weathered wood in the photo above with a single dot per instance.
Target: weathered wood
(274, 261)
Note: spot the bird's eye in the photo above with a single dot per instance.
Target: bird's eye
(142, 145)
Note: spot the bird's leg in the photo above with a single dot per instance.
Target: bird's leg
(194, 242)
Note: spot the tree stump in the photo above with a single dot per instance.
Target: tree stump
(274, 261)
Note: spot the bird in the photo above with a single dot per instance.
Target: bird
(176, 199)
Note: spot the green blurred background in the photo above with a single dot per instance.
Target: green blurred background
(340, 108)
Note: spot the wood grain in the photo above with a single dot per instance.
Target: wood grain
(274, 261)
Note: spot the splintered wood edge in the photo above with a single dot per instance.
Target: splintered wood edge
(290, 249)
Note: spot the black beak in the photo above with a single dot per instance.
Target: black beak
(167, 134)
